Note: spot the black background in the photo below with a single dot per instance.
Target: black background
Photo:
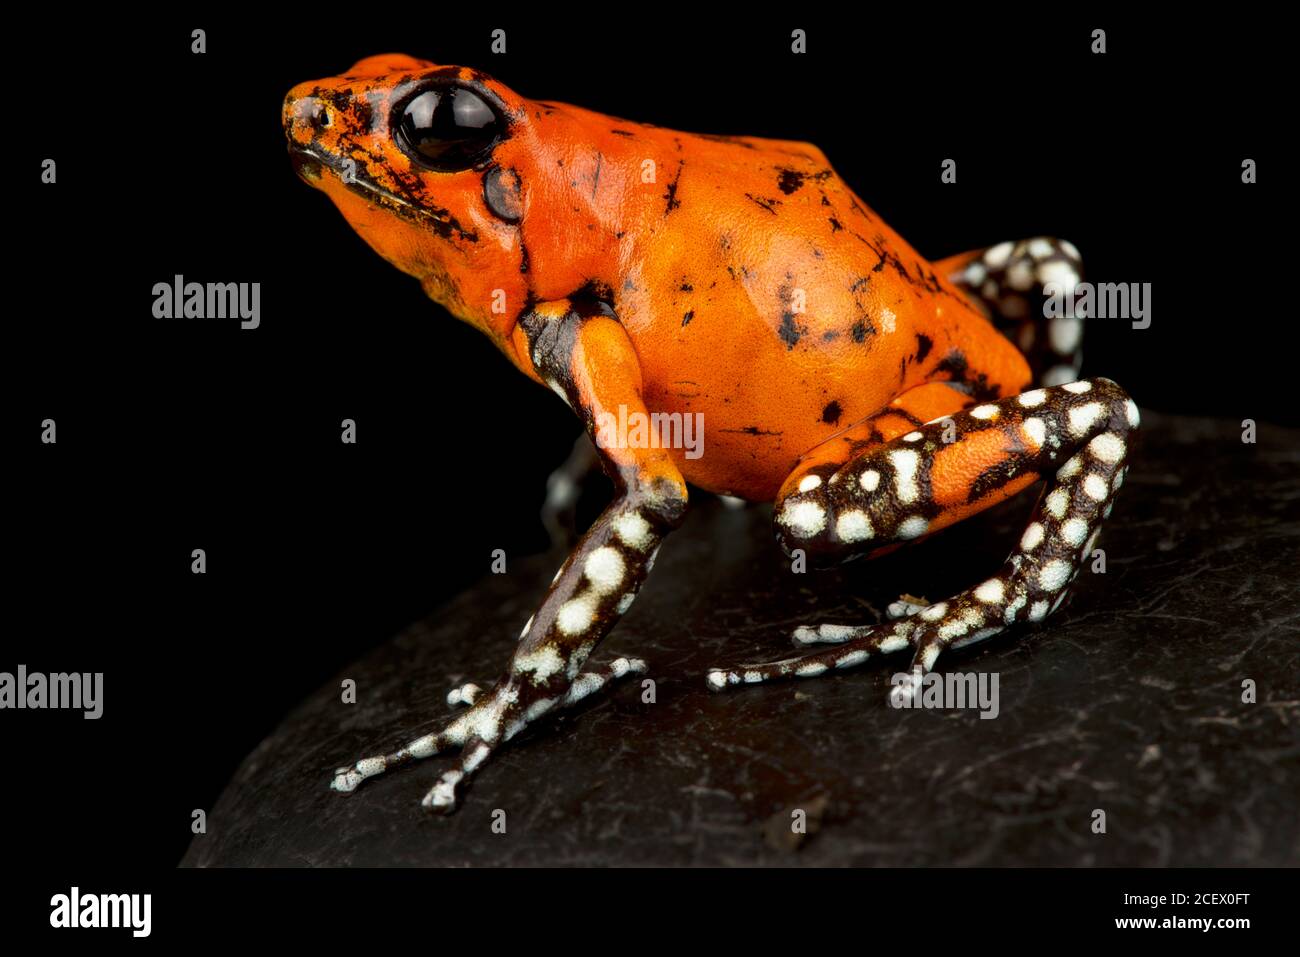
(184, 434)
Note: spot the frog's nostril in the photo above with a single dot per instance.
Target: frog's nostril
(318, 115)
(306, 113)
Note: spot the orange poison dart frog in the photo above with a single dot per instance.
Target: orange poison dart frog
(873, 396)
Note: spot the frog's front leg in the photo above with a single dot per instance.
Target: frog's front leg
(1076, 436)
(585, 355)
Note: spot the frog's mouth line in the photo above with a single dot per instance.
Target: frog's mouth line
(309, 164)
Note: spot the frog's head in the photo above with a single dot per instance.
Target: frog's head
(405, 149)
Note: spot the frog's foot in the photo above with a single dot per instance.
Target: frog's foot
(972, 616)
(504, 721)
(492, 720)
(1013, 283)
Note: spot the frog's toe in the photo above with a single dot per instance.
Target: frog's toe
(346, 779)
(465, 694)
(849, 652)
(806, 635)
(905, 607)
(445, 794)
(589, 682)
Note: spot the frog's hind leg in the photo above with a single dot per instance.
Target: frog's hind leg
(1011, 283)
(836, 507)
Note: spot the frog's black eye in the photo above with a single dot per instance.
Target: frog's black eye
(447, 128)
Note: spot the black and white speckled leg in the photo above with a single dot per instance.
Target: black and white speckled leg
(1008, 281)
(1076, 436)
(572, 349)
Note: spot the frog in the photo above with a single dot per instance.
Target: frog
(870, 396)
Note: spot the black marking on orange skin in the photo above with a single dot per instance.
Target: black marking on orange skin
(835, 224)
(623, 133)
(791, 180)
(551, 340)
(716, 138)
(1017, 461)
(550, 343)
(595, 298)
(764, 203)
(688, 317)
(887, 257)
(853, 205)
(955, 364)
(831, 414)
(364, 115)
(671, 194)
(752, 430)
(790, 331)
(923, 346)
(861, 330)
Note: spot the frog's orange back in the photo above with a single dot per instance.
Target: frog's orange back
(757, 288)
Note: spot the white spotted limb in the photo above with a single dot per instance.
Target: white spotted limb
(568, 347)
(1076, 436)
(1009, 282)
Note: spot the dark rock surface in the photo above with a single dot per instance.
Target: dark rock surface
(1127, 700)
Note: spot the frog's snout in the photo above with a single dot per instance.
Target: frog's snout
(305, 116)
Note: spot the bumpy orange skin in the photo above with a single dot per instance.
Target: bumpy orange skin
(753, 285)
